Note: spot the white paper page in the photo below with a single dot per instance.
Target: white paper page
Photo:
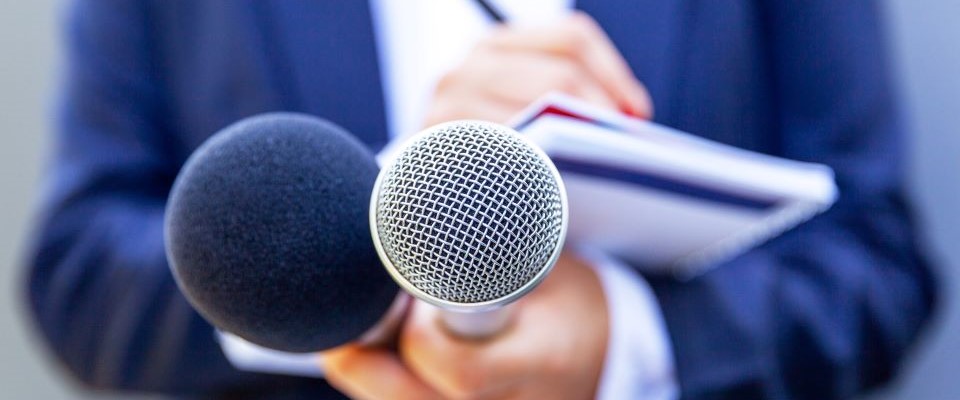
(560, 136)
(247, 356)
(647, 227)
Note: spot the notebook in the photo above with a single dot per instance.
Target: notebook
(664, 200)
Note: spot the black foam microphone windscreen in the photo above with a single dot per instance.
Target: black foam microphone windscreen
(267, 234)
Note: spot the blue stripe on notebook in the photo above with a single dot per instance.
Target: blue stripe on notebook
(664, 183)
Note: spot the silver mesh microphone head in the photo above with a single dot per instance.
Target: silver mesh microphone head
(470, 216)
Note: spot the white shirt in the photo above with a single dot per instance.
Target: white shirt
(421, 40)
(418, 42)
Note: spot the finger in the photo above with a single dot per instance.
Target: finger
(593, 93)
(582, 40)
(460, 367)
(371, 373)
(602, 58)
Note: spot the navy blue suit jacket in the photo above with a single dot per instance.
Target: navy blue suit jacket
(825, 311)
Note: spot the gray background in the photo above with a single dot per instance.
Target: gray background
(925, 37)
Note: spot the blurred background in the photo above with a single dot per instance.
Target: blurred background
(924, 37)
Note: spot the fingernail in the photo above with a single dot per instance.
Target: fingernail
(634, 108)
(641, 104)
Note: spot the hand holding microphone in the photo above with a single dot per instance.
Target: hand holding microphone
(470, 218)
(554, 348)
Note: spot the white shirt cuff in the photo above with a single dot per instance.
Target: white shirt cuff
(246, 356)
(639, 360)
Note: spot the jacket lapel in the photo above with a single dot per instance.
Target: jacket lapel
(339, 77)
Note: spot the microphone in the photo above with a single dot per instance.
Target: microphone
(469, 217)
(267, 237)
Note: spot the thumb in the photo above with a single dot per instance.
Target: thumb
(372, 373)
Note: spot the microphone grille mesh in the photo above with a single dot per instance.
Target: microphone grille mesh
(469, 213)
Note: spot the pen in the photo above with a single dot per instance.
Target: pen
(491, 11)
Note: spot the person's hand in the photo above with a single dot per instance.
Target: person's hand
(373, 373)
(514, 66)
(554, 348)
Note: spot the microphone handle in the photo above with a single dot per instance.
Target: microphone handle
(476, 325)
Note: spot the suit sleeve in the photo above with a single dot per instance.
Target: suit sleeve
(99, 287)
(830, 308)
